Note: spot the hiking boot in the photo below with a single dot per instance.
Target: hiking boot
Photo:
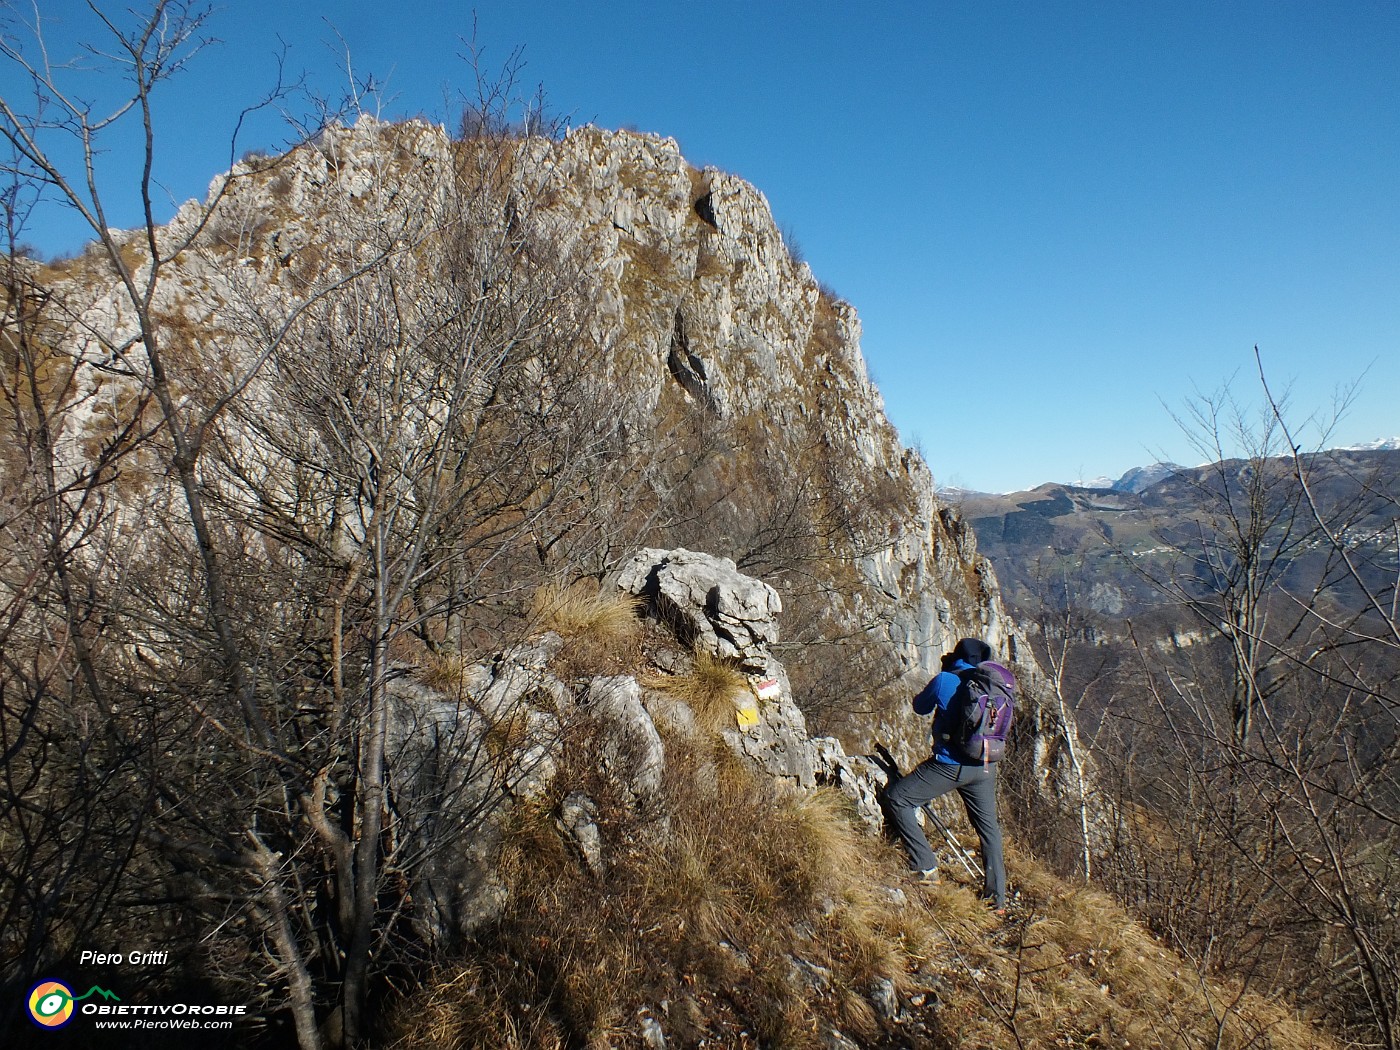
(927, 877)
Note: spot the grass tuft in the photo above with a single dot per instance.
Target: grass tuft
(443, 672)
(583, 610)
(600, 627)
(711, 688)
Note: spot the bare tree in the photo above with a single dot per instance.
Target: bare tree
(444, 404)
(366, 440)
(70, 788)
(1281, 784)
(1064, 640)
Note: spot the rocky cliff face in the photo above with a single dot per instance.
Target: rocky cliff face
(711, 335)
(704, 315)
(713, 310)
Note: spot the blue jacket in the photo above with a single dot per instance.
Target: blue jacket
(933, 699)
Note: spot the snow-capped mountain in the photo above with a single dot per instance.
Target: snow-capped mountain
(1134, 480)
(1138, 479)
(1379, 445)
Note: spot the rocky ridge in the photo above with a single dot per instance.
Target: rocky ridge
(700, 305)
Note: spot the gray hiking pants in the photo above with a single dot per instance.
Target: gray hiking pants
(978, 787)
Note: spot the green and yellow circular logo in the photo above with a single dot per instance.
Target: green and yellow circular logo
(51, 1004)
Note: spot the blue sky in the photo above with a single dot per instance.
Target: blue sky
(1058, 221)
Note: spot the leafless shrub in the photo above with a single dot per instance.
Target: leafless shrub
(1255, 780)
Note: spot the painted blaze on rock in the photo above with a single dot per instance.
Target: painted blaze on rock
(717, 609)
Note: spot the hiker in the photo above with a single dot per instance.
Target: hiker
(950, 768)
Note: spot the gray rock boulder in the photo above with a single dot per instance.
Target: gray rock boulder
(716, 608)
(711, 605)
(631, 748)
(777, 743)
(515, 674)
(578, 820)
(859, 778)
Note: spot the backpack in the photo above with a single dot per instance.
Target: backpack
(979, 714)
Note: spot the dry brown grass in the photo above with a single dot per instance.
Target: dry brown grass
(748, 911)
(443, 671)
(600, 627)
(1072, 969)
(711, 687)
(738, 914)
(742, 909)
(649, 272)
(584, 609)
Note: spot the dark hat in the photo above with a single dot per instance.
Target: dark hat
(972, 650)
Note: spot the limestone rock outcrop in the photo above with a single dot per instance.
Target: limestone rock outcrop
(709, 602)
(704, 315)
(448, 774)
(713, 606)
(631, 749)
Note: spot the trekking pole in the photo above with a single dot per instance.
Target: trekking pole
(973, 868)
(886, 762)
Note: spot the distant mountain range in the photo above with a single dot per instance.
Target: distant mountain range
(1139, 478)
(1098, 542)
(1134, 480)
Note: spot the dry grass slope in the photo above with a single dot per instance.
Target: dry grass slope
(735, 918)
(734, 914)
(1072, 969)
